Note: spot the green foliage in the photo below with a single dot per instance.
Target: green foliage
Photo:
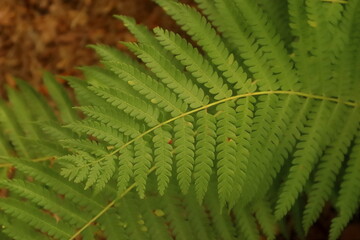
(251, 117)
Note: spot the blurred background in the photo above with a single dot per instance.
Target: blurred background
(38, 35)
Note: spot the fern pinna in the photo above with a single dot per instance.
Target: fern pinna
(217, 135)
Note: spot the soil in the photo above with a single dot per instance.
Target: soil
(52, 35)
(38, 35)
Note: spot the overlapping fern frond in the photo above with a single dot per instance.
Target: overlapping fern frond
(219, 134)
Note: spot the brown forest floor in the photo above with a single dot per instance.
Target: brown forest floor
(38, 35)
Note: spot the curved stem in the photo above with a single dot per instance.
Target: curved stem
(106, 208)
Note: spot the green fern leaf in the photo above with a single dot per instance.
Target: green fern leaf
(35, 218)
(153, 90)
(169, 75)
(245, 45)
(244, 116)
(143, 162)
(126, 166)
(226, 150)
(61, 98)
(19, 110)
(110, 54)
(328, 169)
(131, 105)
(114, 119)
(162, 157)
(100, 77)
(270, 42)
(266, 219)
(19, 230)
(47, 200)
(204, 152)
(50, 178)
(247, 224)
(184, 151)
(112, 226)
(98, 130)
(309, 148)
(348, 200)
(201, 31)
(83, 93)
(199, 67)
(14, 132)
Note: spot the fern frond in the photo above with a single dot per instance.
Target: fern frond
(278, 15)
(145, 36)
(162, 157)
(347, 53)
(205, 36)
(309, 148)
(85, 145)
(112, 226)
(204, 152)
(83, 166)
(19, 230)
(348, 200)
(35, 218)
(143, 162)
(136, 226)
(259, 153)
(47, 147)
(98, 130)
(222, 226)
(83, 93)
(184, 151)
(265, 217)
(141, 32)
(51, 178)
(245, 45)
(300, 29)
(130, 104)
(100, 77)
(111, 55)
(198, 218)
(323, 23)
(328, 169)
(63, 102)
(19, 110)
(44, 198)
(247, 224)
(289, 140)
(265, 142)
(169, 75)
(259, 110)
(173, 209)
(14, 132)
(271, 44)
(153, 90)
(4, 144)
(113, 118)
(244, 115)
(154, 218)
(125, 168)
(54, 131)
(74, 167)
(226, 150)
(38, 105)
(101, 173)
(199, 67)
